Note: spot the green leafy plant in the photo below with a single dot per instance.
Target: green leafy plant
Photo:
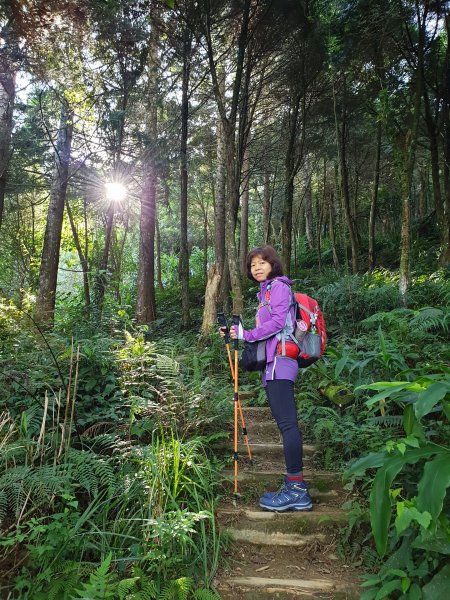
(421, 528)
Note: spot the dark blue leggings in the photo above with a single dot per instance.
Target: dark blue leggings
(280, 394)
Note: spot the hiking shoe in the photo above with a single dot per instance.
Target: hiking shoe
(293, 495)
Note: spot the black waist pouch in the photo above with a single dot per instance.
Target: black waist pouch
(253, 357)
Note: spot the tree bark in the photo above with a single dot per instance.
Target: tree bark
(307, 207)
(48, 273)
(219, 221)
(266, 207)
(444, 259)
(146, 303)
(7, 95)
(243, 242)
(82, 258)
(158, 255)
(342, 139)
(374, 201)
(212, 291)
(184, 250)
(332, 229)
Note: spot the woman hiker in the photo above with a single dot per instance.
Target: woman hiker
(275, 311)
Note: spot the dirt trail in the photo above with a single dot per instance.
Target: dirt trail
(283, 556)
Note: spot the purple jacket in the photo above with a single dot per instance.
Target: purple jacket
(270, 320)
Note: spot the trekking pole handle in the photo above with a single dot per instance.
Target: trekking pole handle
(222, 322)
(236, 323)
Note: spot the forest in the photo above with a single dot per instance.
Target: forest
(145, 147)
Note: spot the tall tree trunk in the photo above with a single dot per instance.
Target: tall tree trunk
(229, 126)
(433, 133)
(102, 276)
(307, 206)
(7, 94)
(444, 259)
(374, 201)
(266, 207)
(146, 303)
(82, 258)
(408, 144)
(158, 255)
(184, 250)
(342, 140)
(332, 229)
(215, 278)
(48, 273)
(243, 242)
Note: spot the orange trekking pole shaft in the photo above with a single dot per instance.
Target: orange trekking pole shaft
(236, 401)
(223, 323)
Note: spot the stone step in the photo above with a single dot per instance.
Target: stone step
(269, 450)
(253, 536)
(322, 518)
(262, 588)
(325, 487)
(313, 570)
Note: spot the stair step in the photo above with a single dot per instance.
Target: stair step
(260, 588)
(323, 486)
(320, 519)
(271, 449)
(252, 536)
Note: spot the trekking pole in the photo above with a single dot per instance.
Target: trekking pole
(236, 321)
(222, 321)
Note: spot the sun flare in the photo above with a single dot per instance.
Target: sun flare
(115, 191)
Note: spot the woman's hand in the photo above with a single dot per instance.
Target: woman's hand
(222, 331)
(239, 334)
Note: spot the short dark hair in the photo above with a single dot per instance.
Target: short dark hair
(269, 254)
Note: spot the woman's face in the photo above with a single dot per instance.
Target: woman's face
(260, 268)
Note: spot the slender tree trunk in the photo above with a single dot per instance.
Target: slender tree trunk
(184, 250)
(48, 273)
(444, 259)
(266, 207)
(81, 257)
(307, 206)
(243, 242)
(433, 132)
(332, 229)
(215, 278)
(146, 303)
(158, 256)
(373, 204)
(342, 139)
(102, 276)
(7, 95)
(423, 193)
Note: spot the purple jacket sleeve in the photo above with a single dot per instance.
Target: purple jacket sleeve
(280, 300)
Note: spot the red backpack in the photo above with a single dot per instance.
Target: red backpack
(309, 332)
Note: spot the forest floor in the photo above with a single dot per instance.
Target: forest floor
(285, 555)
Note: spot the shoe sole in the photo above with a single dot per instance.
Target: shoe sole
(286, 508)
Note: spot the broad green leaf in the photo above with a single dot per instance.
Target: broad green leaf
(438, 588)
(384, 385)
(387, 588)
(407, 515)
(415, 593)
(429, 398)
(380, 504)
(411, 425)
(433, 485)
(406, 582)
(340, 365)
(371, 461)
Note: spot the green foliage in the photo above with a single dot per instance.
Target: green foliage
(421, 529)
